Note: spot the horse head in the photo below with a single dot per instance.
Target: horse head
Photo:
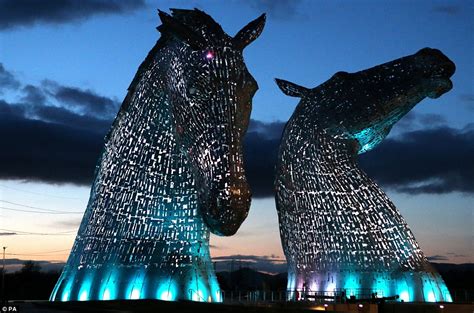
(365, 105)
(211, 94)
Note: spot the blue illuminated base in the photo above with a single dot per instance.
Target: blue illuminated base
(113, 283)
(409, 286)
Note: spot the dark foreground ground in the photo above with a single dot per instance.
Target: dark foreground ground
(34, 284)
(149, 306)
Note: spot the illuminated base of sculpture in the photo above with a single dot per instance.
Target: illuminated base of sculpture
(408, 286)
(112, 283)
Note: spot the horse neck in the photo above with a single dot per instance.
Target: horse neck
(306, 142)
(141, 153)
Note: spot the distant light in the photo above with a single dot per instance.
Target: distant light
(326, 305)
(361, 305)
(441, 306)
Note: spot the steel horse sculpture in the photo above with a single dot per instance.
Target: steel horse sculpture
(339, 230)
(171, 170)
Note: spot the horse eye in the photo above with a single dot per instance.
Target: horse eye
(209, 54)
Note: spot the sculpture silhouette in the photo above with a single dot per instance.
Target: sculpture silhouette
(171, 170)
(339, 230)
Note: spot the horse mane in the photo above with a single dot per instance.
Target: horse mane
(200, 22)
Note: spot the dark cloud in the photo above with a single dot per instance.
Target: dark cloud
(7, 79)
(58, 133)
(17, 13)
(87, 101)
(63, 116)
(33, 95)
(269, 264)
(39, 151)
(436, 160)
(431, 119)
(8, 110)
(63, 147)
(271, 130)
(70, 106)
(280, 9)
(260, 155)
(437, 258)
(414, 120)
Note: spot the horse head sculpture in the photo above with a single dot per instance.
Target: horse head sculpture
(339, 230)
(171, 170)
(366, 104)
(211, 94)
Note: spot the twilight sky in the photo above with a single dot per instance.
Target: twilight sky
(65, 66)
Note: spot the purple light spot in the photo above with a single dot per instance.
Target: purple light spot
(209, 55)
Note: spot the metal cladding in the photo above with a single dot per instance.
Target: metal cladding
(339, 230)
(171, 170)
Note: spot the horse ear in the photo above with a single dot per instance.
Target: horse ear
(182, 31)
(249, 33)
(291, 89)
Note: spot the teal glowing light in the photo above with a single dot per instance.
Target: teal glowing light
(83, 296)
(445, 294)
(167, 291)
(382, 288)
(431, 297)
(370, 137)
(447, 297)
(196, 295)
(66, 292)
(85, 289)
(351, 284)
(428, 291)
(403, 291)
(109, 288)
(197, 290)
(405, 296)
(136, 287)
(106, 295)
(65, 295)
(135, 294)
(215, 290)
